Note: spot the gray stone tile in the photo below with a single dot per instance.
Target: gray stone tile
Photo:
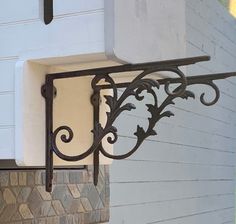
(38, 177)
(40, 221)
(59, 177)
(25, 212)
(16, 216)
(35, 201)
(59, 192)
(2, 202)
(43, 178)
(93, 216)
(105, 215)
(100, 184)
(74, 190)
(58, 207)
(8, 212)
(4, 179)
(17, 222)
(73, 207)
(9, 196)
(75, 177)
(44, 208)
(30, 179)
(93, 197)
(66, 177)
(85, 190)
(22, 178)
(43, 193)
(24, 194)
(51, 212)
(27, 222)
(72, 219)
(53, 220)
(90, 176)
(14, 178)
(63, 220)
(16, 190)
(102, 171)
(86, 204)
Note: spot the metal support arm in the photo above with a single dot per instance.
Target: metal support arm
(118, 104)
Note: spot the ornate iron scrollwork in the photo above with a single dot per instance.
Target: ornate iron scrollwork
(118, 104)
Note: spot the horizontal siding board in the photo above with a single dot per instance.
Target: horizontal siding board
(160, 212)
(7, 143)
(36, 35)
(147, 171)
(76, 6)
(175, 134)
(164, 152)
(165, 191)
(216, 217)
(191, 118)
(12, 10)
(7, 71)
(29, 10)
(7, 109)
(220, 34)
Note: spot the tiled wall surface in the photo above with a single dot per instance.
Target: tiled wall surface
(74, 199)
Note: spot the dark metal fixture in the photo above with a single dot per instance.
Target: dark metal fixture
(48, 11)
(118, 104)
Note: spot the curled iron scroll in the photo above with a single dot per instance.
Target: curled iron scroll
(217, 94)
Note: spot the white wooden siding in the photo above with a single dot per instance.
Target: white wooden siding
(185, 174)
(77, 26)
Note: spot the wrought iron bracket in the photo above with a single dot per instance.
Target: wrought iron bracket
(119, 104)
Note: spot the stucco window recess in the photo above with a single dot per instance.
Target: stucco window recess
(104, 132)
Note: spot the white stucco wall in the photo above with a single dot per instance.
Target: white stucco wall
(186, 173)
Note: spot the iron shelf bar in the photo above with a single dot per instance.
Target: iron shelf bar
(190, 79)
(130, 67)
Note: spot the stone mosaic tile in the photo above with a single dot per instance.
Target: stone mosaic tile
(58, 208)
(25, 211)
(74, 200)
(4, 179)
(14, 178)
(22, 179)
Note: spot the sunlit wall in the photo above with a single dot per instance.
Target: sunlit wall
(230, 5)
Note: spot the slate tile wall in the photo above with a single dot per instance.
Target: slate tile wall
(74, 199)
